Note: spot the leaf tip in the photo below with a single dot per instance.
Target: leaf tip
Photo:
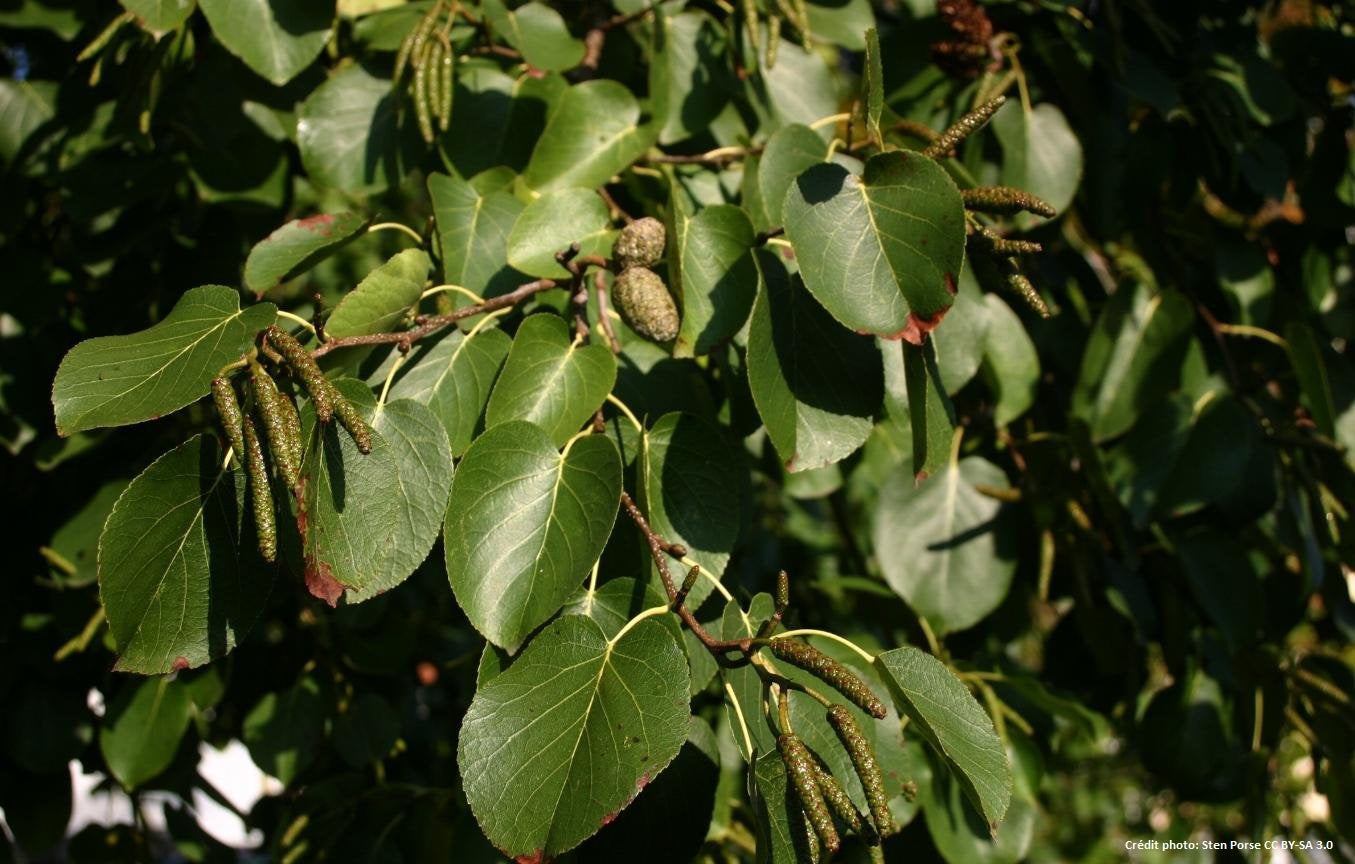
(320, 582)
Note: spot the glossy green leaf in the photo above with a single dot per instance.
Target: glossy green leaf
(549, 380)
(798, 89)
(453, 377)
(539, 32)
(383, 298)
(423, 481)
(179, 576)
(615, 602)
(525, 524)
(555, 746)
(160, 16)
(779, 821)
(350, 519)
(1010, 365)
(712, 275)
(275, 38)
(551, 223)
(285, 729)
(942, 545)
(930, 413)
(117, 380)
(744, 710)
(952, 722)
(73, 550)
(1123, 365)
(960, 338)
(498, 119)
(816, 384)
(790, 152)
(961, 835)
(872, 85)
(348, 133)
(690, 490)
(1040, 154)
(593, 133)
(473, 229)
(298, 246)
(143, 728)
(24, 107)
(687, 74)
(881, 252)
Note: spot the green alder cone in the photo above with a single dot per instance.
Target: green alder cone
(645, 304)
(640, 244)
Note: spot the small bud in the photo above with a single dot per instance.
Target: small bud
(830, 672)
(228, 409)
(867, 766)
(645, 304)
(640, 244)
(800, 768)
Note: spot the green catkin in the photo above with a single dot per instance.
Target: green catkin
(867, 766)
(261, 495)
(352, 420)
(303, 364)
(1006, 201)
(750, 21)
(802, 21)
(829, 671)
(800, 767)
(841, 804)
(445, 88)
(268, 399)
(228, 409)
(989, 240)
(1019, 284)
(291, 428)
(416, 39)
(433, 62)
(773, 41)
(963, 128)
(423, 109)
(99, 42)
(782, 600)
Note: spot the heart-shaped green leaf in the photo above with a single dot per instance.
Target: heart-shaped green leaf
(953, 723)
(881, 252)
(941, 544)
(712, 273)
(275, 38)
(369, 520)
(1041, 155)
(1010, 364)
(539, 32)
(298, 246)
(551, 381)
(453, 377)
(179, 575)
(552, 222)
(558, 743)
(690, 491)
(816, 384)
(117, 380)
(144, 726)
(688, 80)
(592, 134)
(348, 133)
(790, 152)
(473, 228)
(524, 525)
(382, 298)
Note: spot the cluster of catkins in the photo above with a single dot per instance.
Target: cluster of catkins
(820, 795)
(281, 427)
(427, 52)
(639, 294)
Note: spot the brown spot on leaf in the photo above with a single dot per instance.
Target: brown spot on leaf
(321, 583)
(320, 223)
(180, 663)
(919, 326)
(950, 282)
(537, 857)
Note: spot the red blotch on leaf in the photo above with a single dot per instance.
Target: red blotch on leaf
(950, 283)
(180, 663)
(537, 857)
(321, 583)
(918, 326)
